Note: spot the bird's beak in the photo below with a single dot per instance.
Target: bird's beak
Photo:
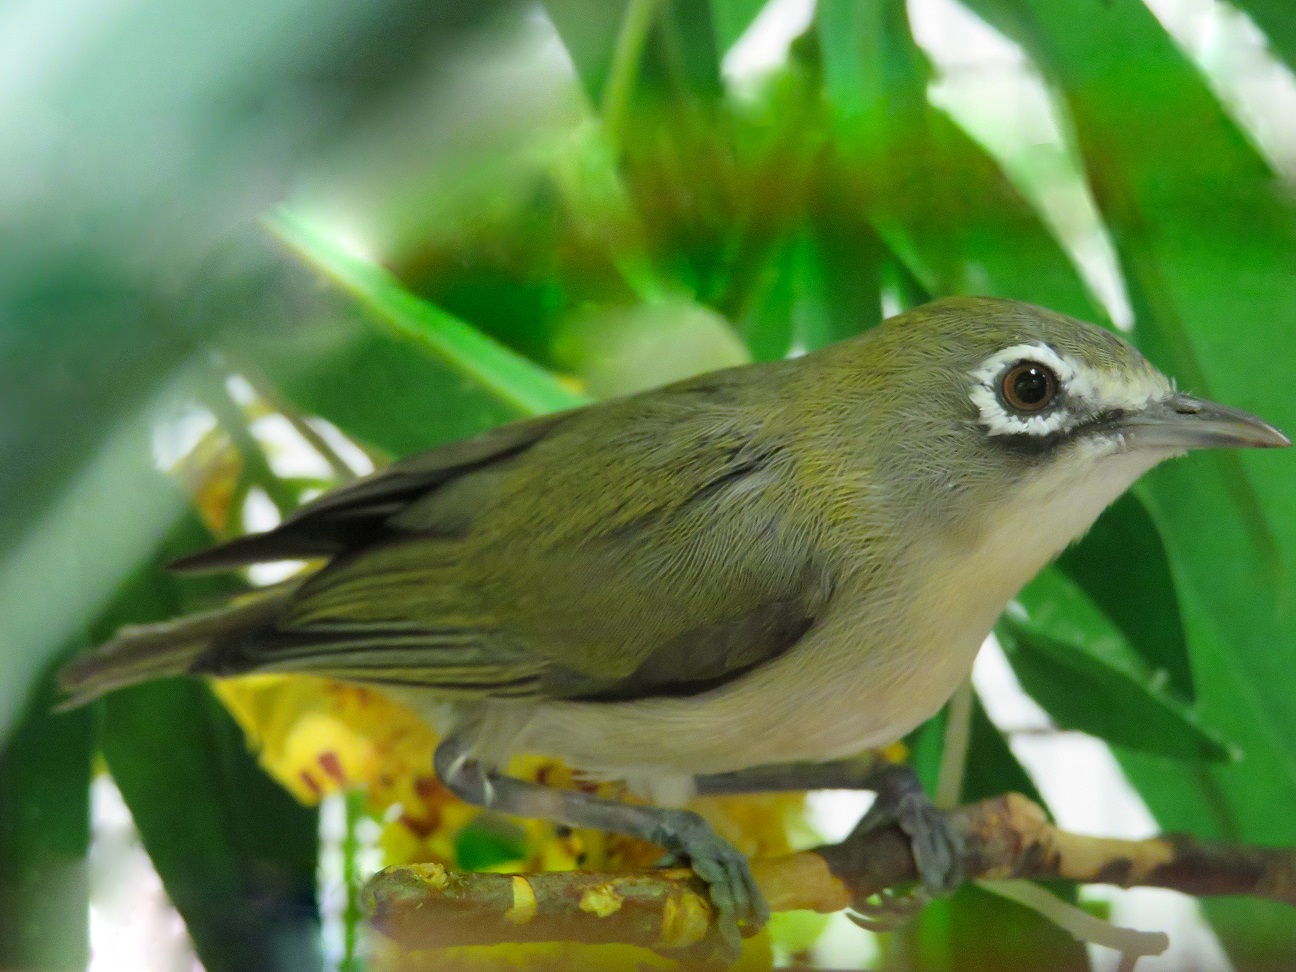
(1184, 422)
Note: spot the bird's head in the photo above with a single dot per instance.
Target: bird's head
(1005, 415)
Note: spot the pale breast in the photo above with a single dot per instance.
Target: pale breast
(873, 669)
(854, 682)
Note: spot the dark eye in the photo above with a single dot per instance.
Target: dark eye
(1029, 386)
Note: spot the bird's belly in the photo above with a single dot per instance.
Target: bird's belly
(834, 695)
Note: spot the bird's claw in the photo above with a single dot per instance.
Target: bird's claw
(888, 910)
(739, 903)
(937, 850)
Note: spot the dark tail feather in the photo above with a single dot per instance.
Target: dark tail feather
(146, 652)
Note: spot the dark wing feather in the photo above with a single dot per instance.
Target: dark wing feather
(699, 660)
(359, 513)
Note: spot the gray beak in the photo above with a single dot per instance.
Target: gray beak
(1184, 422)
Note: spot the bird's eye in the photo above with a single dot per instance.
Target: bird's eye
(1029, 386)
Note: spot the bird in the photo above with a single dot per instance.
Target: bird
(737, 582)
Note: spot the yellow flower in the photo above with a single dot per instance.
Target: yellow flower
(320, 737)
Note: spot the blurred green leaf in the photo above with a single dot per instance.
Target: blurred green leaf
(589, 33)
(341, 339)
(970, 931)
(236, 854)
(1277, 19)
(937, 199)
(732, 18)
(98, 523)
(810, 310)
(1072, 661)
(1121, 564)
(975, 930)
(677, 54)
(621, 350)
(814, 294)
(136, 146)
(992, 769)
(685, 51)
(489, 840)
(766, 321)
(326, 355)
(44, 835)
(1204, 233)
(515, 381)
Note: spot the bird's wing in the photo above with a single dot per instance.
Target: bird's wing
(564, 576)
(357, 513)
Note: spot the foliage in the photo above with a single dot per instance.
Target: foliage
(524, 258)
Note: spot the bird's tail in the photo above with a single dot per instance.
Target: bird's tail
(145, 652)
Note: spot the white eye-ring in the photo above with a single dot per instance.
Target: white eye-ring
(1025, 378)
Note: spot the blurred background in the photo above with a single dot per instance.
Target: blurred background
(253, 249)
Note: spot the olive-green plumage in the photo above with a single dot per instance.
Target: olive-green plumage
(777, 563)
(807, 551)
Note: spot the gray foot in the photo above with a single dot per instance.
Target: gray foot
(738, 901)
(937, 850)
(684, 835)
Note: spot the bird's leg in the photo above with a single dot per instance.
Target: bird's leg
(900, 800)
(857, 773)
(682, 833)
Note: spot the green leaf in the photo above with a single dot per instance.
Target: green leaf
(106, 513)
(684, 58)
(1121, 564)
(1277, 18)
(489, 841)
(621, 350)
(817, 287)
(44, 835)
(732, 18)
(938, 200)
(341, 339)
(1204, 234)
(975, 930)
(992, 769)
(589, 32)
(1072, 661)
(765, 320)
(181, 117)
(512, 379)
(236, 854)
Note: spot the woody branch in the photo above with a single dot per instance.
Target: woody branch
(427, 906)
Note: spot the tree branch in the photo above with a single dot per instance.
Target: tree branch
(428, 906)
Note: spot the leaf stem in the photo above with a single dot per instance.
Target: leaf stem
(626, 57)
(256, 466)
(954, 752)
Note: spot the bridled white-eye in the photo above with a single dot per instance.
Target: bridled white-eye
(733, 583)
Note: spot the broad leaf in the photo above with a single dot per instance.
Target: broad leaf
(1204, 234)
(342, 339)
(1277, 18)
(236, 854)
(939, 201)
(1084, 673)
(732, 18)
(44, 835)
(589, 32)
(1121, 564)
(513, 380)
(975, 930)
(176, 122)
